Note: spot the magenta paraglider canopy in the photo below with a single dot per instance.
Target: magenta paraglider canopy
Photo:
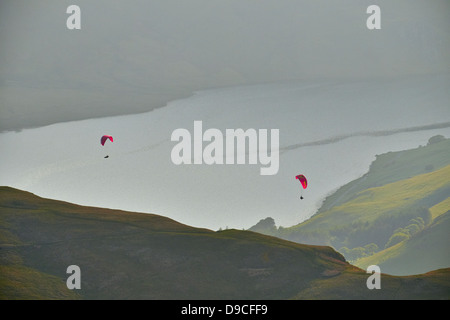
(104, 138)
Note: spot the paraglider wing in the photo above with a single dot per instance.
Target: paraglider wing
(302, 180)
(104, 138)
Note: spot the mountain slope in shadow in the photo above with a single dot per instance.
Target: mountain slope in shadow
(127, 255)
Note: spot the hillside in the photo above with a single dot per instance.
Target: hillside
(426, 250)
(394, 216)
(126, 255)
(395, 166)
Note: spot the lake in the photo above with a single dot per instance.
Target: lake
(330, 131)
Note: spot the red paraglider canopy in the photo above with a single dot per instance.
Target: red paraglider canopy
(302, 180)
(104, 138)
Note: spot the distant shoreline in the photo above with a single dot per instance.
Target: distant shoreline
(441, 125)
(28, 107)
(33, 111)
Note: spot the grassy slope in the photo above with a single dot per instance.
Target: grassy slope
(426, 250)
(23, 283)
(128, 255)
(440, 208)
(427, 190)
(421, 286)
(125, 255)
(398, 187)
(368, 204)
(391, 167)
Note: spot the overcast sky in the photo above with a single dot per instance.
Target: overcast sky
(131, 56)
